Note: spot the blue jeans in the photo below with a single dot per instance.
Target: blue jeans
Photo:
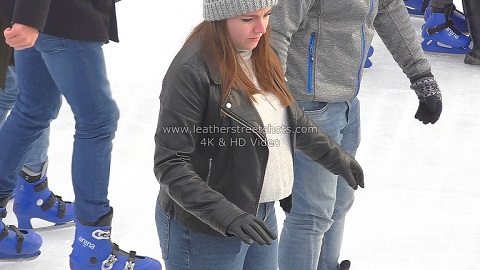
(185, 249)
(76, 70)
(38, 154)
(312, 233)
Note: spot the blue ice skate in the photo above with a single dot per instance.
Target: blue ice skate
(368, 62)
(33, 199)
(93, 249)
(441, 36)
(456, 16)
(15, 244)
(416, 7)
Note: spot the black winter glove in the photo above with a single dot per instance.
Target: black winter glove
(430, 99)
(351, 171)
(248, 227)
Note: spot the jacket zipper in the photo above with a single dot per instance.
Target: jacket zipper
(362, 31)
(242, 122)
(263, 138)
(311, 51)
(209, 172)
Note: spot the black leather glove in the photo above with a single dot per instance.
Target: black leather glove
(430, 99)
(249, 228)
(350, 170)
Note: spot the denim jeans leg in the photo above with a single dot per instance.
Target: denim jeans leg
(332, 240)
(9, 95)
(309, 217)
(38, 153)
(185, 249)
(37, 104)
(314, 194)
(264, 257)
(78, 70)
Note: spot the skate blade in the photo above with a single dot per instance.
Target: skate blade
(54, 227)
(432, 46)
(28, 257)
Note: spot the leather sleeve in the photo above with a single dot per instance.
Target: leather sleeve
(311, 140)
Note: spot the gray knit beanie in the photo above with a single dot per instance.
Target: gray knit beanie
(214, 10)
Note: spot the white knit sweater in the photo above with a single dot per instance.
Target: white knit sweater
(278, 180)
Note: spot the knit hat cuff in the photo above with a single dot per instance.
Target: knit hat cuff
(222, 9)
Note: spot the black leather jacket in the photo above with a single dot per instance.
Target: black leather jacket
(212, 171)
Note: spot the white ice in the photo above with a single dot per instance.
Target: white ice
(421, 205)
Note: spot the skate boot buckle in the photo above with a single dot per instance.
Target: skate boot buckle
(109, 262)
(130, 264)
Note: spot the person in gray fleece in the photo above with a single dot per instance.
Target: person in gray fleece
(323, 46)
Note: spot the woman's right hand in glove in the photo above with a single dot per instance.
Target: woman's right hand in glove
(249, 228)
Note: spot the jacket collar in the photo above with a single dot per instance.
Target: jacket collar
(212, 68)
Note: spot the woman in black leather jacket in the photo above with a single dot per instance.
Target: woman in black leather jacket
(226, 132)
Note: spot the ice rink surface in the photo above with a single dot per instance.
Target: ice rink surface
(420, 209)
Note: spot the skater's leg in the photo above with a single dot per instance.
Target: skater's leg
(26, 206)
(472, 12)
(313, 196)
(264, 256)
(439, 5)
(78, 70)
(9, 95)
(37, 104)
(332, 241)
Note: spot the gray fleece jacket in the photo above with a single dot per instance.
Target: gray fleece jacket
(323, 44)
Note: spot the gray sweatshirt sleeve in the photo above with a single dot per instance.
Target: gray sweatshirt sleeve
(285, 20)
(394, 27)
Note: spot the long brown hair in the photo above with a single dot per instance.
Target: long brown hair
(217, 46)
